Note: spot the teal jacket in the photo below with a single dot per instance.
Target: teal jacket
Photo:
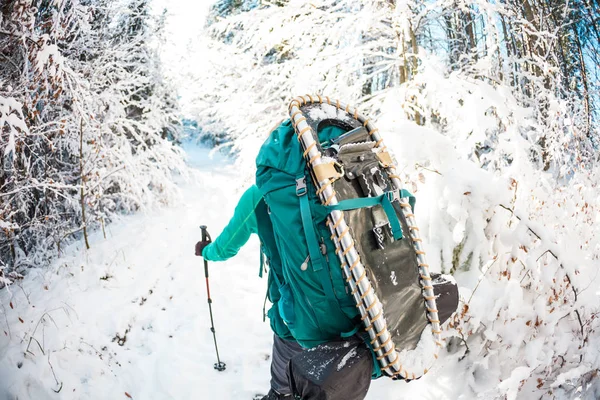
(238, 231)
(251, 216)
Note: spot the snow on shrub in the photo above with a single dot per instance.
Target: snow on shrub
(85, 123)
(522, 246)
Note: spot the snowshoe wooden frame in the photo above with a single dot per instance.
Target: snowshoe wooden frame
(367, 302)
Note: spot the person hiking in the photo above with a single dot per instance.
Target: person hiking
(337, 230)
(303, 315)
(251, 217)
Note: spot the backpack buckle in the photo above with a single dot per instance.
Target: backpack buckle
(301, 186)
(393, 195)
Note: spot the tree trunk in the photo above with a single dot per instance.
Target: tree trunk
(414, 63)
(470, 31)
(82, 192)
(584, 79)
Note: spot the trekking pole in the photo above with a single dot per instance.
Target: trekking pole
(219, 365)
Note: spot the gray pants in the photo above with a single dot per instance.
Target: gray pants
(283, 351)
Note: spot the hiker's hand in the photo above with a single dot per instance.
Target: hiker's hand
(200, 246)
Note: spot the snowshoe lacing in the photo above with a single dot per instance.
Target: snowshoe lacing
(370, 307)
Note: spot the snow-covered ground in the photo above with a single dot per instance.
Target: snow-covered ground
(129, 317)
(144, 285)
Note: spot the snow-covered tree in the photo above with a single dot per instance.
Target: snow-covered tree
(85, 116)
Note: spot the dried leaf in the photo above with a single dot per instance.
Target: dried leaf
(128, 395)
(20, 319)
(467, 193)
(464, 310)
(11, 306)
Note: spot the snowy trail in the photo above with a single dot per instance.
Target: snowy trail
(128, 318)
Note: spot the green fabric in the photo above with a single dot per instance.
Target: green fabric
(262, 263)
(352, 332)
(250, 216)
(302, 298)
(314, 249)
(238, 230)
(363, 202)
(353, 204)
(386, 202)
(326, 135)
(306, 291)
(377, 372)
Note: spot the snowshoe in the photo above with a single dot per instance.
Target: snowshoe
(373, 228)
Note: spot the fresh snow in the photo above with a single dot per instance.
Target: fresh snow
(573, 374)
(129, 317)
(317, 369)
(143, 288)
(328, 111)
(345, 359)
(11, 117)
(393, 278)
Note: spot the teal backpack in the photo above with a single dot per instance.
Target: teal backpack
(315, 303)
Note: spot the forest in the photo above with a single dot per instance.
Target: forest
(492, 109)
(88, 123)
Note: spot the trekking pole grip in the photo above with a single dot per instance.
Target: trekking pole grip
(205, 236)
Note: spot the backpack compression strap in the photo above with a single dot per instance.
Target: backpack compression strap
(317, 260)
(385, 200)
